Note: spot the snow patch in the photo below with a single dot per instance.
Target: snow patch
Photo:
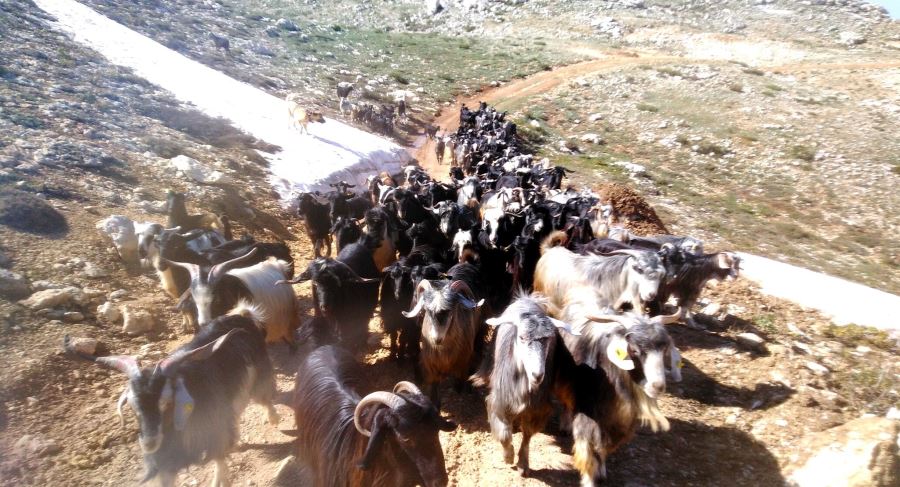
(306, 162)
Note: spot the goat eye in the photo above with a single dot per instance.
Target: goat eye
(638, 270)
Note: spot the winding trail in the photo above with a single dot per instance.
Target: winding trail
(843, 301)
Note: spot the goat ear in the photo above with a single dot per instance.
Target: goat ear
(446, 425)
(564, 326)
(617, 352)
(495, 321)
(724, 260)
(675, 363)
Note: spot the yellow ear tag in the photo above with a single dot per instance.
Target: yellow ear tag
(621, 353)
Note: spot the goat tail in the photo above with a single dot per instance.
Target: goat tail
(251, 310)
(555, 239)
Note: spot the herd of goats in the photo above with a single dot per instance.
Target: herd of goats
(499, 279)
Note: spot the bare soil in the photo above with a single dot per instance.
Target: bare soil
(736, 416)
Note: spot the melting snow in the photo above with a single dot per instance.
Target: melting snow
(306, 162)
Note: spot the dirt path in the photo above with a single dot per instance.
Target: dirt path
(424, 150)
(807, 288)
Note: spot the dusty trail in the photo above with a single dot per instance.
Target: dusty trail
(817, 291)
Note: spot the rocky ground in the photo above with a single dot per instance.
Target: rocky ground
(763, 387)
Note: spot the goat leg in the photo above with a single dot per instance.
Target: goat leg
(220, 479)
(524, 470)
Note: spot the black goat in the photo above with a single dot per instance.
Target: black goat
(189, 405)
(316, 214)
(385, 439)
(345, 292)
(345, 231)
(396, 295)
(692, 277)
(220, 42)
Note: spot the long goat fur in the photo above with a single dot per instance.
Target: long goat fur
(275, 303)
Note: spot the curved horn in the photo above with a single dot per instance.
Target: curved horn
(630, 252)
(462, 287)
(193, 269)
(667, 319)
(388, 399)
(200, 353)
(126, 364)
(121, 404)
(620, 319)
(219, 270)
(191, 235)
(406, 386)
(424, 285)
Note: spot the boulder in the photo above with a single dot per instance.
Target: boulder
(13, 285)
(817, 368)
(121, 230)
(137, 321)
(83, 345)
(51, 298)
(592, 138)
(196, 170)
(109, 313)
(862, 452)
(36, 446)
(287, 24)
(848, 38)
(751, 341)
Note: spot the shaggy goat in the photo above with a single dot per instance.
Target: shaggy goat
(385, 439)
(524, 373)
(189, 405)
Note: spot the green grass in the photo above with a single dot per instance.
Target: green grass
(646, 107)
(473, 63)
(669, 71)
(802, 152)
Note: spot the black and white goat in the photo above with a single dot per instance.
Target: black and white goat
(524, 373)
(619, 372)
(189, 405)
(218, 289)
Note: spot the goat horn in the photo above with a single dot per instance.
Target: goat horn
(462, 287)
(219, 270)
(123, 363)
(622, 320)
(200, 353)
(121, 404)
(193, 269)
(416, 309)
(388, 399)
(406, 386)
(633, 253)
(667, 319)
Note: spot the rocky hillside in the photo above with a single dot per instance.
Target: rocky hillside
(765, 388)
